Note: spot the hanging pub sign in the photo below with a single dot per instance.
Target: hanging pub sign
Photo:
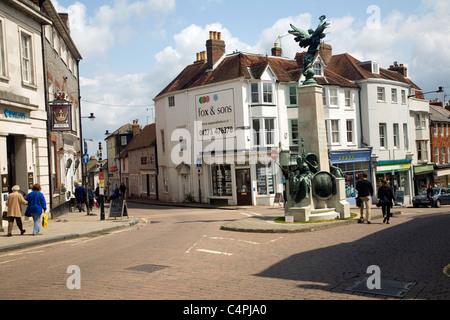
(61, 117)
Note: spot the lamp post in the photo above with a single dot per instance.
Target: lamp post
(101, 184)
(440, 90)
(84, 167)
(91, 117)
(85, 175)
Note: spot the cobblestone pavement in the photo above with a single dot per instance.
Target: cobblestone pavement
(182, 254)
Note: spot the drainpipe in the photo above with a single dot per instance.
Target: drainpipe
(50, 182)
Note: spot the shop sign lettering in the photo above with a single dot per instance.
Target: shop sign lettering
(14, 114)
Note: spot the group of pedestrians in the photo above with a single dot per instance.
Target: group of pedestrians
(36, 207)
(385, 199)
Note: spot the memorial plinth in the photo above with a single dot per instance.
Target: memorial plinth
(311, 123)
(316, 207)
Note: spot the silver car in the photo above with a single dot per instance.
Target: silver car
(440, 196)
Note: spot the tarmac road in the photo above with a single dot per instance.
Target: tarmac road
(181, 253)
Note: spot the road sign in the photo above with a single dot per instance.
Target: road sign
(85, 158)
(274, 155)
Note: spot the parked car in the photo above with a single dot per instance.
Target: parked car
(440, 196)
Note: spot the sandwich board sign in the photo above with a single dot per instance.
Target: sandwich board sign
(118, 208)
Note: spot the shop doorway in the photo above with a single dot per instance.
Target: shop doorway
(243, 187)
(11, 151)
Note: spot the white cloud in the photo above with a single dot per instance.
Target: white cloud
(419, 41)
(95, 36)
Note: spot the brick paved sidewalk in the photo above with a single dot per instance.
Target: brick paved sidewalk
(68, 226)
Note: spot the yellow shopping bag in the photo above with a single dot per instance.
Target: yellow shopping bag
(45, 220)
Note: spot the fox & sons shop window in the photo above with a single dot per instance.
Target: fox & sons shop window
(221, 181)
(265, 179)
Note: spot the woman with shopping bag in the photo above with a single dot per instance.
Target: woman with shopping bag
(14, 202)
(385, 199)
(36, 204)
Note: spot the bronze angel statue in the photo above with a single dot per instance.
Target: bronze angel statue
(312, 40)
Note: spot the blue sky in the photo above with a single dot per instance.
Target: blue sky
(133, 48)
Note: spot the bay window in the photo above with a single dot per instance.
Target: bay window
(264, 132)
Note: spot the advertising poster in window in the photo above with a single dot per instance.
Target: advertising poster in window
(216, 112)
(61, 118)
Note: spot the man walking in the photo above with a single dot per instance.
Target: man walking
(80, 195)
(365, 191)
(123, 189)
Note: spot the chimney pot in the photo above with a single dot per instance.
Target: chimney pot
(277, 51)
(215, 49)
(219, 36)
(211, 35)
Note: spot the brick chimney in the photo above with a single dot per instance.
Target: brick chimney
(399, 68)
(276, 50)
(135, 127)
(215, 48)
(65, 19)
(326, 51)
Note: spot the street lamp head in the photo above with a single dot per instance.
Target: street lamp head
(91, 117)
(440, 90)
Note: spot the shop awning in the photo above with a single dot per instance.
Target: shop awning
(393, 165)
(423, 169)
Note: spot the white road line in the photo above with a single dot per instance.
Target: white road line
(145, 220)
(276, 239)
(255, 213)
(22, 253)
(189, 250)
(214, 252)
(231, 239)
(246, 214)
(5, 262)
(99, 237)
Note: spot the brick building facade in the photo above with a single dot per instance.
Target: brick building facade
(440, 143)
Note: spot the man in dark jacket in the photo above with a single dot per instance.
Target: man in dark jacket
(80, 195)
(365, 191)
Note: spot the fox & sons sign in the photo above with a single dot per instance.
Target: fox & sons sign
(216, 113)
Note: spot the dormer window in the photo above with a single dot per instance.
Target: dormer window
(262, 92)
(375, 68)
(318, 70)
(371, 66)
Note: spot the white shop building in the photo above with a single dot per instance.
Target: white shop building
(23, 114)
(227, 126)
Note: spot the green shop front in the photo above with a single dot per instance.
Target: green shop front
(398, 175)
(423, 176)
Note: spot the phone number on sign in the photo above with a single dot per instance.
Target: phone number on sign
(215, 131)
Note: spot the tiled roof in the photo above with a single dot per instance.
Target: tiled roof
(331, 78)
(342, 70)
(439, 114)
(350, 68)
(144, 139)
